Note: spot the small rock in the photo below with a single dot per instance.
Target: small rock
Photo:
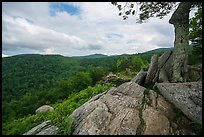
(44, 108)
(46, 128)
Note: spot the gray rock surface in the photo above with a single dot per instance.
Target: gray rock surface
(163, 59)
(112, 113)
(186, 96)
(129, 109)
(156, 124)
(140, 77)
(46, 128)
(163, 76)
(152, 71)
(44, 108)
(115, 78)
(52, 130)
(168, 66)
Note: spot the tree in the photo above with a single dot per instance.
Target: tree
(123, 63)
(81, 81)
(137, 63)
(97, 73)
(195, 35)
(180, 20)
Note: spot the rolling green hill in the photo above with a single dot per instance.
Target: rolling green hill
(159, 50)
(32, 80)
(45, 79)
(23, 73)
(92, 56)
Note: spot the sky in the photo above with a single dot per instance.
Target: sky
(78, 28)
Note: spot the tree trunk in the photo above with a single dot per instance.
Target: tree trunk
(180, 20)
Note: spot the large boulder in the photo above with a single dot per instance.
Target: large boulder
(152, 71)
(45, 128)
(44, 108)
(112, 113)
(129, 109)
(186, 96)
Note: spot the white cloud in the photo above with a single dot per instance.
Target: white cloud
(28, 27)
(3, 55)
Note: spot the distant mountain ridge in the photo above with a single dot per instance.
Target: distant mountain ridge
(159, 50)
(92, 56)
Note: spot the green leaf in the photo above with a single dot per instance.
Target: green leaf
(119, 7)
(114, 3)
(133, 12)
(127, 12)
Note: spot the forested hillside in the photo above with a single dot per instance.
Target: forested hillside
(30, 81)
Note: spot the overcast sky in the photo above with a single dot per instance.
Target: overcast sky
(73, 29)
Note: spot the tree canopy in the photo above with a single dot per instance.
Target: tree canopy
(180, 20)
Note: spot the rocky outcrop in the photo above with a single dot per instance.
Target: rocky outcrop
(132, 109)
(163, 59)
(115, 79)
(46, 128)
(160, 69)
(44, 108)
(129, 109)
(140, 77)
(163, 76)
(186, 96)
(152, 71)
(112, 113)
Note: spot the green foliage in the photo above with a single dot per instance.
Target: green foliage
(178, 111)
(123, 63)
(147, 9)
(97, 74)
(32, 81)
(81, 81)
(126, 74)
(194, 57)
(138, 64)
(68, 126)
(30, 73)
(197, 128)
(146, 91)
(20, 126)
(108, 63)
(42, 79)
(58, 116)
(195, 34)
(134, 63)
(46, 79)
